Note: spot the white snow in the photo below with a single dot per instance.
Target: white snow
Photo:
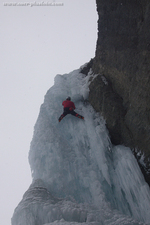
(78, 176)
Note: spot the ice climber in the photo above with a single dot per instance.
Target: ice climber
(69, 107)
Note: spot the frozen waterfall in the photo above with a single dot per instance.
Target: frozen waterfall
(78, 176)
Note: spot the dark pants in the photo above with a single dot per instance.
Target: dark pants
(69, 111)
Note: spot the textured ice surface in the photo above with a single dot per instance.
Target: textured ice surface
(78, 176)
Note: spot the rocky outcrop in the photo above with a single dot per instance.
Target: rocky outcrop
(121, 89)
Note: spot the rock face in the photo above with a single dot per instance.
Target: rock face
(121, 89)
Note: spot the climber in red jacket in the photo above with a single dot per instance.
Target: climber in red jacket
(69, 108)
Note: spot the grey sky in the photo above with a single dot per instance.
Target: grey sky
(36, 43)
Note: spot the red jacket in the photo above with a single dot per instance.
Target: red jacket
(68, 104)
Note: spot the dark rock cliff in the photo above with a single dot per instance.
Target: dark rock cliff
(121, 91)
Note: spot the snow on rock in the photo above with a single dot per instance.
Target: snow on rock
(78, 176)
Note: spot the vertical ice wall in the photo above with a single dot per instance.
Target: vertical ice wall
(79, 167)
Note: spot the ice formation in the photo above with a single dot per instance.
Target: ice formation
(78, 176)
